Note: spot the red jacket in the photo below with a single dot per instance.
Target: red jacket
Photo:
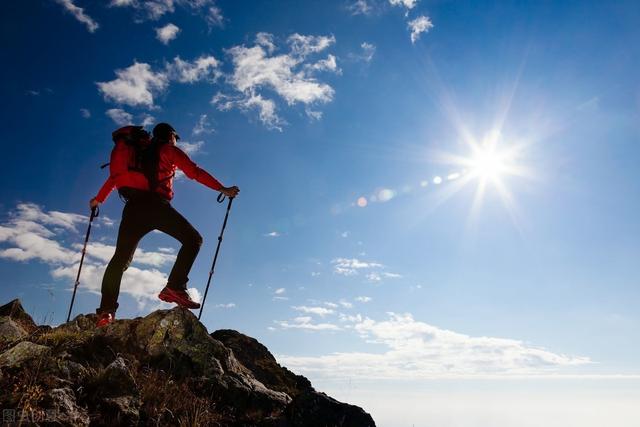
(171, 157)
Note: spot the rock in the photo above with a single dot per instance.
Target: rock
(62, 408)
(15, 311)
(10, 330)
(123, 409)
(21, 353)
(117, 379)
(314, 409)
(167, 370)
(177, 335)
(257, 358)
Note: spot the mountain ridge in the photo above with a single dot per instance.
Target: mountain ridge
(161, 369)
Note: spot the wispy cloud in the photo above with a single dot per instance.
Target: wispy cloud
(289, 75)
(228, 305)
(138, 84)
(119, 116)
(359, 7)
(408, 4)
(363, 299)
(205, 68)
(304, 322)
(191, 148)
(79, 14)
(368, 50)
(51, 237)
(202, 126)
(319, 311)
(167, 33)
(156, 9)
(135, 85)
(272, 234)
(417, 350)
(85, 113)
(421, 24)
(351, 266)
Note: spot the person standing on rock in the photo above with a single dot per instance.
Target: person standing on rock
(147, 188)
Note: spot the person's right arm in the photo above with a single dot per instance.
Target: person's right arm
(193, 171)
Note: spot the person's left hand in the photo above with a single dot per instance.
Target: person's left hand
(93, 203)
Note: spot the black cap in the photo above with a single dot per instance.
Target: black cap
(162, 131)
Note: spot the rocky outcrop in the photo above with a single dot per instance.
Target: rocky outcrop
(162, 369)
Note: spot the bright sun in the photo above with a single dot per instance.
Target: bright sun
(487, 164)
(490, 165)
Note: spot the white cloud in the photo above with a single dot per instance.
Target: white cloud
(203, 68)
(228, 305)
(79, 14)
(368, 50)
(85, 113)
(280, 291)
(167, 33)
(328, 64)
(119, 116)
(203, 126)
(345, 304)
(304, 46)
(32, 234)
(304, 322)
(148, 120)
(421, 24)
(121, 3)
(266, 107)
(190, 148)
(258, 69)
(102, 252)
(156, 9)
(359, 7)
(363, 299)
(214, 17)
(138, 84)
(135, 85)
(272, 234)
(416, 350)
(350, 266)
(409, 4)
(320, 311)
(266, 40)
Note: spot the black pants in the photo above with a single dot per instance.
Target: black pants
(142, 214)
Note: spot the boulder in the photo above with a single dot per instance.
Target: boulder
(161, 369)
(315, 409)
(62, 408)
(117, 380)
(257, 358)
(122, 410)
(10, 330)
(15, 311)
(22, 353)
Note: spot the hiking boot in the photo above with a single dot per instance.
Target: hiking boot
(105, 318)
(179, 296)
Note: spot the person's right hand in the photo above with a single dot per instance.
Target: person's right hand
(230, 191)
(93, 203)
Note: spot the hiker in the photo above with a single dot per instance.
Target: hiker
(147, 187)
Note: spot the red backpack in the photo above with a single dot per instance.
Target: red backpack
(144, 153)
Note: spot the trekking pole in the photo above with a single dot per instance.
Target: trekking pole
(215, 257)
(94, 213)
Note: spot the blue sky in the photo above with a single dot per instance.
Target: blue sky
(360, 251)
